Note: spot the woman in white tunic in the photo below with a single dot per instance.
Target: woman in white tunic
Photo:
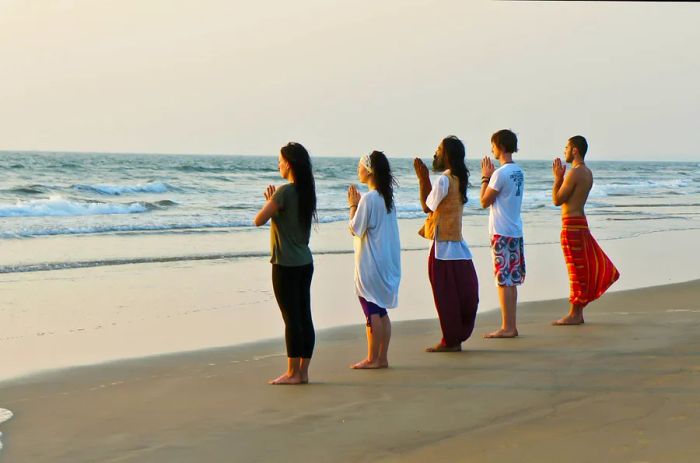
(377, 254)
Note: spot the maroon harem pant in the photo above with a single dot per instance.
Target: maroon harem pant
(456, 294)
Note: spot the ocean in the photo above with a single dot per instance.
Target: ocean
(45, 195)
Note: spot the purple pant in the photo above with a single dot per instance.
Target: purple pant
(370, 308)
(456, 294)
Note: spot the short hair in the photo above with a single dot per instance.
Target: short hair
(506, 140)
(580, 144)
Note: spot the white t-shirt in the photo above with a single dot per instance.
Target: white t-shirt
(446, 250)
(377, 251)
(504, 216)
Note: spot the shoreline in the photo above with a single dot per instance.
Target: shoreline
(108, 249)
(626, 380)
(330, 333)
(82, 316)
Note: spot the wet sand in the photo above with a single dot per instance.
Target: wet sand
(623, 387)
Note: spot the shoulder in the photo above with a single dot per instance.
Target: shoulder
(285, 189)
(282, 193)
(580, 173)
(370, 196)
(515, 169)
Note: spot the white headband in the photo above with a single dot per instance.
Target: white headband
(365, 161)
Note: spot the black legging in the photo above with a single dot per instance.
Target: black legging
(292, 287)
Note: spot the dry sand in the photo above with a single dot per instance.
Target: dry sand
(66, 318)
(625, 387)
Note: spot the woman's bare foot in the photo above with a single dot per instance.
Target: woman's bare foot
(440, 347)
(502, 334)
(569, 320)
(285, 378)
(367, 365)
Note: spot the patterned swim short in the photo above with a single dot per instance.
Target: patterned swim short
(508, 260)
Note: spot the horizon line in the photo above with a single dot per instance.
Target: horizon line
(80, 152)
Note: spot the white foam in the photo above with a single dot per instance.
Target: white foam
(115, 190)
(57, 206)
(4, 416)
(603, 189)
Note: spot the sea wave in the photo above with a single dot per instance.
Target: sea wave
(116, 190)
(676, 186)
(195, 227)
(57, 206)
(26, 190)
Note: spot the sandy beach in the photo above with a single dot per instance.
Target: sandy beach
(176, 356)
(146, 151)
(623, 387)
(64, 318)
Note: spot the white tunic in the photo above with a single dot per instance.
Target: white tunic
(377, 251)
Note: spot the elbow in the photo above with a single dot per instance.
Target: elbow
(258, 221)
(427, 210)
(484, 204)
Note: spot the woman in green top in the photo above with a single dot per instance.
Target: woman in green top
(292, 208)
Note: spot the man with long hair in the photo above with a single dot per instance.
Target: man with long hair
(450, 267)
(590, 271)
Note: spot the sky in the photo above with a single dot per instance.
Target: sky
(347, 77)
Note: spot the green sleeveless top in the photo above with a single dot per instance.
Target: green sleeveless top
(289, 239)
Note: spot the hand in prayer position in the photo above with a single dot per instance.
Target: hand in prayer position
(353, 196)
(558, 170)
(487, 168)
(269, 191)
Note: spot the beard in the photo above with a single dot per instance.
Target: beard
(439, 164)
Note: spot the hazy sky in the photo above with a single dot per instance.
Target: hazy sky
(346, 77)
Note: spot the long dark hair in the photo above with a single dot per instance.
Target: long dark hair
(454, 151)
(300, 163)
(384, 181)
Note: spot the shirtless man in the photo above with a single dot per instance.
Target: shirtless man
(590, 271)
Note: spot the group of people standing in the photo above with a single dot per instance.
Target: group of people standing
(373, 224)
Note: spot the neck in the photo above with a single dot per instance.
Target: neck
(371, 185)
(578, 162)
(505, 158)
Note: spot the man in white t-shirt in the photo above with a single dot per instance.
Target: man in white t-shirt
(502, 190)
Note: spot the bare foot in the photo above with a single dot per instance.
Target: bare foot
(304, 379)
(284, 379)
(440, 347)
(367, 365)
(502, 334)
(569, 320)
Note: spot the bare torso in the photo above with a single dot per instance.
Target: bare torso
(581, 179)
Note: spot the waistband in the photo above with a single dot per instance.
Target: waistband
(574, 223)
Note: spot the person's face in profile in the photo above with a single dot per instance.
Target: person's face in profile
(362, 173)
(569, 153)
(283, 166)
(439, 164)
(495, 150)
